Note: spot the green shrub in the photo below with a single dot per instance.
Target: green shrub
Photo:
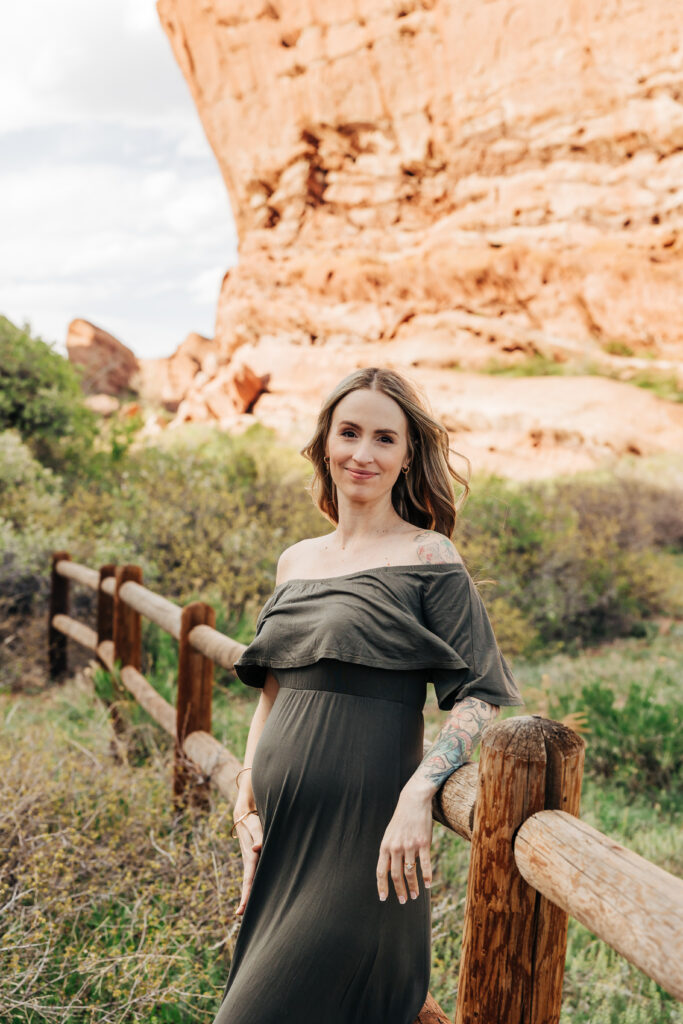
(207, 518)
(30, 503)
(40, 397)
(29, 492)
(636, 741)
(573, 561)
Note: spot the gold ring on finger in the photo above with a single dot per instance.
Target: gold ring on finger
(410, 864)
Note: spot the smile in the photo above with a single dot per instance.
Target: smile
(358, 474)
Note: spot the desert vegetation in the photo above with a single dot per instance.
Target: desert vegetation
(115, 908)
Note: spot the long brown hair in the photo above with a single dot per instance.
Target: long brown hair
(422, 496)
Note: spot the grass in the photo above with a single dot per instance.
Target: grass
(664, 385)
(114, 907)
(117, 909)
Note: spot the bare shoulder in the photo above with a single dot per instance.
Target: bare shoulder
(433, 548)
(294, 559)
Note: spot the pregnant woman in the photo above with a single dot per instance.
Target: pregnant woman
(334, 811)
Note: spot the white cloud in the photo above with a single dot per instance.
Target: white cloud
(77, 59)
(112, 204)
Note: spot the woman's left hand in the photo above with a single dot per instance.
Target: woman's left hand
(407, 837)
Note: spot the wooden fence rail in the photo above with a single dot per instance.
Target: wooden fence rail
(533, 861)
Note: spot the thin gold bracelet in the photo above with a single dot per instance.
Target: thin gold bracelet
(237, 821)
(239, 773)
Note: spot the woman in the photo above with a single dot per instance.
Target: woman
(334, 811)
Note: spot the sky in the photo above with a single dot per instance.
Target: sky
(112, 207)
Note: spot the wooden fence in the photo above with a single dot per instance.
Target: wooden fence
(533, 861)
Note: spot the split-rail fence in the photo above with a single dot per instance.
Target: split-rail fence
(533, 861)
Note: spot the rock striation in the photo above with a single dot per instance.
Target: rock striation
(438, 185)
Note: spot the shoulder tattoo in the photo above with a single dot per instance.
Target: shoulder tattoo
(434, 548)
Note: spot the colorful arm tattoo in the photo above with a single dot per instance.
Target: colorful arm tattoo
(456, 741)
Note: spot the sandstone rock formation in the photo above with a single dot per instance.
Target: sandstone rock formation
(192, 384)
(167, 381)
(438, 185)
(109, 366)
(227, 395)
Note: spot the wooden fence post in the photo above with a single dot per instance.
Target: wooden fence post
(105, 607)
(127, 622)
(514, 940)
(106, 614)
(58, 605)
(193, 702)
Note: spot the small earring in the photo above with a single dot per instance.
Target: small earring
(326, 460)
(404, 469)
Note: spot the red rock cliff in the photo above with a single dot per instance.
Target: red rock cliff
(465, 181)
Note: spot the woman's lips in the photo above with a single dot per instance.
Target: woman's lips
(359, 474)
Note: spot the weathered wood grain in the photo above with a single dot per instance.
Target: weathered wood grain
(565, 752)
(453, 804)
(625, 900)
(514, 943)
(431, 1012)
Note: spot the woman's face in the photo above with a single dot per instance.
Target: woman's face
(367, 444)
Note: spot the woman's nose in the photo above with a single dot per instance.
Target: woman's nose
(363, 452)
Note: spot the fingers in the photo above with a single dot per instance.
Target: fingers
(251, 842)
(382, 869)
(402, 866)
(249, 871)
(410, 872)
(255, 829)
(397, 875)
(426, 866)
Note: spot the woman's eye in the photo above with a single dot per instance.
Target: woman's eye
(347, 433)
(389, 439)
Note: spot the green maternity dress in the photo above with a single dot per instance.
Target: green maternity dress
(353, 655)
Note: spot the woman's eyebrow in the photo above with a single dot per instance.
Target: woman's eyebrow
(384, 430)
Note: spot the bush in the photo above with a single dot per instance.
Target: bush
(575, 560)
(637, 742)
(28, 490)
(206, 518)
(40, 397)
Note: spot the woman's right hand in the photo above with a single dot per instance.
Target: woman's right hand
(250, 834)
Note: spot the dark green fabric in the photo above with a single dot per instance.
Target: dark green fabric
(398, 616)
(353, 655)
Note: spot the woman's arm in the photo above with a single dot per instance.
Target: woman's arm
(408, 836)
(453, 745)
(249, 830)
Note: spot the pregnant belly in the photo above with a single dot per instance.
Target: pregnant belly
(328, 756)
